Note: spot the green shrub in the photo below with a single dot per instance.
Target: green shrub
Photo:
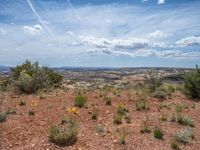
(142, 105)
(55, 78)
(192, 83)
(184, 136)
(185, 120)
(179, 108)
(80, 101)
(171, 89)
(118, 118)
(158, 133)
(4, 83)
(30, 77)
(3, 117)
(64, 136)
(160, 94)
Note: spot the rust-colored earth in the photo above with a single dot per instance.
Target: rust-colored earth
(23, 132)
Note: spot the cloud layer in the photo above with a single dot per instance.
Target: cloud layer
(62, 33)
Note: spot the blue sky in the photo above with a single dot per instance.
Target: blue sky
(101, 33)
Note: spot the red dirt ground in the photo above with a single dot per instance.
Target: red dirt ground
(24, 132)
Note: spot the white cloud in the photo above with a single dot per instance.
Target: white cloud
(70, 33)
(172, 54)
(3, 31)
(189, 41)
(157, 35)
(161, 1)
(131, 43)
(37, 29)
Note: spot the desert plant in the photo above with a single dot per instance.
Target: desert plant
(22, 103)
(142, 105)
(64, 136)
(100, 128)
(174, 144)
(158, 133)
(4, 83)
(80, 101)
(179, 108)
(118, 118)
(122, 109)
(95, 114)
(173, 118)
(122, 135)
(192, 83)
(170, 89)
(152, 80)
(185, 120)
(3, 117)
(10, 111)
(184, 136)
(145, 128)
(163, 117)
(31, 113)
(107, 100)
(128, 118)
(30, 77)
(160, 94)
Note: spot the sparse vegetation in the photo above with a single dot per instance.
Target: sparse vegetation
(122, 135)
(100, 128)
(81, 101)
(31, 113)
(30, 77)
(118, 118)
(153, 81)
(158, 133)
(122, 109)
(64, 136)
(192, 83)
(145, 128)
(100, 118)
(185, 120)
(95, 114)
(22, 103)
(128, 118)
(142, 105)
(184, 136)
(163, 117)
(108, 100)
(174, 144)
(160, 94)
(3, 117)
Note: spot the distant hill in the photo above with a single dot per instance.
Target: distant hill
(4, 68)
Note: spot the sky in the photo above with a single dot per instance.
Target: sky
(100, 33)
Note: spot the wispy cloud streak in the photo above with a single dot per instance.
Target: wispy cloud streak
(40, 20)
(72, 7)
